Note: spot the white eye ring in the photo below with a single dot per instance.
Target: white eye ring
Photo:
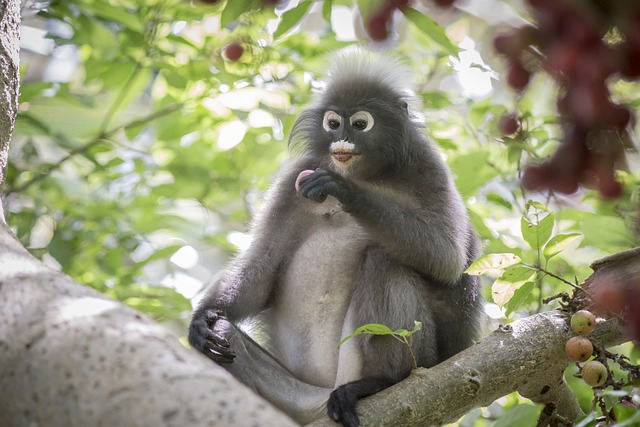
(331, 121)
(362, 117)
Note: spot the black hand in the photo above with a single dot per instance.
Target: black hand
(322, 183)
(341, 407)
(204, 338)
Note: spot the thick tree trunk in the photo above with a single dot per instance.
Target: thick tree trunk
(9, 79)
(69, 356)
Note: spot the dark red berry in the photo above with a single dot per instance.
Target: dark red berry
(536, 177)
(378, 23)
(518, 76)
(233, 51)
(509, 124)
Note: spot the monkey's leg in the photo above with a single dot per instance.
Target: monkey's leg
(387, 293)
(260, 371)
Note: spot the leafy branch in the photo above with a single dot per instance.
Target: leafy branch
(101, 137)
(402, 335)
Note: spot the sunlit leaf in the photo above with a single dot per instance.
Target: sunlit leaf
(234, 9)
(517, 273)
(292, 17)
(519, 297)
(430, 28)
(492, 264)
(502, 291)
(559, 243)
(536, 225)
(327, 5)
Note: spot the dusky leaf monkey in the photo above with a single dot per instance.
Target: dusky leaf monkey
(364, 226)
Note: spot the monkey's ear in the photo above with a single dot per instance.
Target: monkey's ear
(405, 106)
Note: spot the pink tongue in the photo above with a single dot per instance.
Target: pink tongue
(302, 175)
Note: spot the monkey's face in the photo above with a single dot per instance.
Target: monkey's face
(363, 139)
(347, 133)
(358, 129)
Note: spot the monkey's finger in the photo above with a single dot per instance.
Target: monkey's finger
(216, 338)
(212, 316)
(219, 356)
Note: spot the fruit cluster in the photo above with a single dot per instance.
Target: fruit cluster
(582, 46)
(379, 22)
(579, 349)
(618, 294)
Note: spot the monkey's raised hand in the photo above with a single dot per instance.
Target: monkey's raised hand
(204, 337)
(322, 183)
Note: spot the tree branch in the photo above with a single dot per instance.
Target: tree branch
(525, 356)
(45, 171)
(69, 356)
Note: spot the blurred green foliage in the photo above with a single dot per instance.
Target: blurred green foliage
(156, 142)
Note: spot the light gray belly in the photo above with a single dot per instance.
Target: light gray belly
(315, 293)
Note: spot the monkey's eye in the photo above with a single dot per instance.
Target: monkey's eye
(362, 120)
(332, 121)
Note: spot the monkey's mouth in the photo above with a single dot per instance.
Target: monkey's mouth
(342, 156)
(343, 153)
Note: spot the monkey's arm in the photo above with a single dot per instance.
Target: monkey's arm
(245, 287)
(432, 239)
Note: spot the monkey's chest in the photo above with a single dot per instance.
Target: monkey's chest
(315, 292)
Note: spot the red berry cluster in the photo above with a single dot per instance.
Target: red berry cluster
(616, 294)
(379, 22)
(569, 43)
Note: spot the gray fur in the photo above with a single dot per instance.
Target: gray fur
(382, 237)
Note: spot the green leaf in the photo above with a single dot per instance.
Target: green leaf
(233, 10)
(326, 10)
(517, 273)
(472, 171)
(379, 329)
(404, 333)
(625, 415)
(123, 15)
(371, 328)
(492, 264)
(536, 225)
(502, 291)
(292, 17)
(519, 297)
(499, 200)
(520, 415)
(431, 29)
(559, 243)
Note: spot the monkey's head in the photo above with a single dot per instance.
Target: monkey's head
(360, 123)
